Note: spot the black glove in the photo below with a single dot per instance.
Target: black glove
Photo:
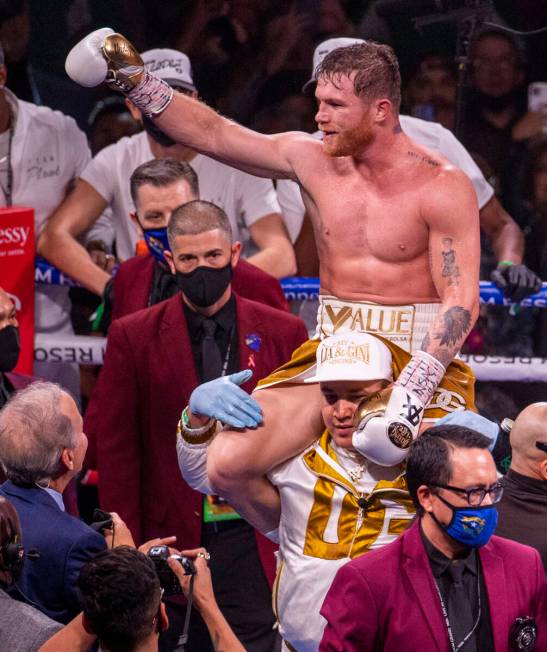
(516, 281)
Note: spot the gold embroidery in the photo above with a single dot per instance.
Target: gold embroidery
(388, 512)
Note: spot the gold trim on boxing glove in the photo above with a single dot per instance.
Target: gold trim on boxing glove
(125, 65)
(371, 406)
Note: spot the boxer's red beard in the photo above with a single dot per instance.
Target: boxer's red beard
(350, 142)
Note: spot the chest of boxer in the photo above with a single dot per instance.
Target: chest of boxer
(372, 239)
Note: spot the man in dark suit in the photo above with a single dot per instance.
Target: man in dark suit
(445, 584)
(157, 188)
(42, 447)
(154, 359)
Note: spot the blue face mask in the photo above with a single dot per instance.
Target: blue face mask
(157, 243)
(472, 526)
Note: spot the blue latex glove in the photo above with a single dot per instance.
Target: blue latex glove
(222, 399)
(474, 421)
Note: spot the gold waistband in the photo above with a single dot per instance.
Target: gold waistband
(404, 325)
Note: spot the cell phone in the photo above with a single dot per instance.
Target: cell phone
(537, 96)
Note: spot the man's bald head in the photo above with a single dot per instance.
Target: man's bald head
(530, 427)
(197, 217)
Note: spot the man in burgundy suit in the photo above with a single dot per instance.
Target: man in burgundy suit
(157, 188)
(446, 583)
(154, 359)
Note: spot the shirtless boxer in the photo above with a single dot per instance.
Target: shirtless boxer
(397, 233)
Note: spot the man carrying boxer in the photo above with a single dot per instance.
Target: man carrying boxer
(335, 504)
(398, 239)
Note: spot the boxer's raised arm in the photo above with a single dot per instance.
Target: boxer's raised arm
(104, 56)
(451, 213)
(193, 123)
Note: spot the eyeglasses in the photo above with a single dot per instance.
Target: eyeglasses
(542, 445)
(475, 495)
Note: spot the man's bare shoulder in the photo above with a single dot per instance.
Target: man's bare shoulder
(431, 161)
(438, 171)
(447, 190)
(299, 142)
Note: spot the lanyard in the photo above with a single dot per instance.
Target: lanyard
(453, 646)
(227, 356)
(9, 186)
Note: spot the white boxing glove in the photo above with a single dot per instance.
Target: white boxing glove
(105, 56)
(85, 63)
(384, 436)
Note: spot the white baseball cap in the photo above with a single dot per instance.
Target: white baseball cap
(321, 52)
(170, 65)
(353, 356)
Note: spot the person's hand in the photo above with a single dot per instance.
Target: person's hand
(165, 541)
(222, 399)
(203, 585)
(99, 255)
(516, 281)
(119, 535)
(531, 124)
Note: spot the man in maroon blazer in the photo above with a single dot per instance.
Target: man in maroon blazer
(157, 188)
(154, 359)
(446, 583)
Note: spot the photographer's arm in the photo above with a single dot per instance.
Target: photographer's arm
(222, 636)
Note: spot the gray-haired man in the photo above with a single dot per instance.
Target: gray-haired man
(42, 447)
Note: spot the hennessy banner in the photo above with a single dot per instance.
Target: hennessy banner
(17, 275)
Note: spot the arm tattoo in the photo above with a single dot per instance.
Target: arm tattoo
(450, 270)
(457, 321)
(450, 334)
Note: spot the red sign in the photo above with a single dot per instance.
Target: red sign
(17, 275)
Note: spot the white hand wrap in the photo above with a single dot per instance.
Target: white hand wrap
(152, 95)
(85, 63)
(385, 439)
(421, 375)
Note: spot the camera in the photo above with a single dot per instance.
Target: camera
(101, 520)
(168, 580)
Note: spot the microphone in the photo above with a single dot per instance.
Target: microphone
(32, 555)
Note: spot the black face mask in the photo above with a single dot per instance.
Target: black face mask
(9, 348)
(156, 133)
(205, 285)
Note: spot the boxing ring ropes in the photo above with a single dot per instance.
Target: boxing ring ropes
(89, 350)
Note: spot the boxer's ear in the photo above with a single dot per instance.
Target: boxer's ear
(384, 109)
